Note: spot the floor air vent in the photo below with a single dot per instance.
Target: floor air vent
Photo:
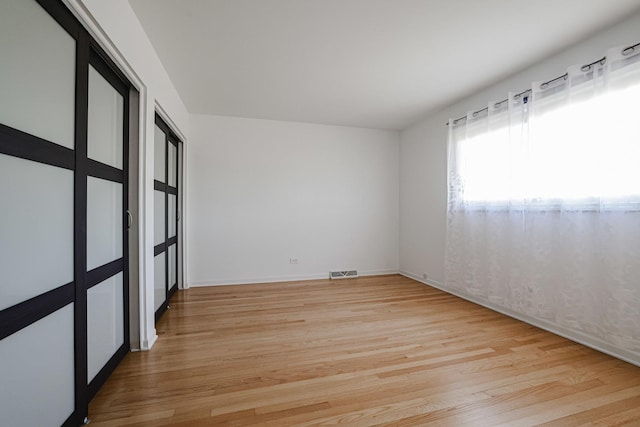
(346, 274)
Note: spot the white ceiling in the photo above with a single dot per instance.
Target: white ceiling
(367, 63)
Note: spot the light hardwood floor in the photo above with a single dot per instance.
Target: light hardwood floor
(371, 351)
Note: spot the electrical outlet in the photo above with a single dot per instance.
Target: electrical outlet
(293, 260)
(425, 276)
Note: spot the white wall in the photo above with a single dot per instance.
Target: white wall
(423, 156)
(261, 192)
(116, 27)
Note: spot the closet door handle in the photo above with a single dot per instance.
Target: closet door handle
(129, 219)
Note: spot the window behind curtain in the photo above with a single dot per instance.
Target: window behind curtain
(576, 145)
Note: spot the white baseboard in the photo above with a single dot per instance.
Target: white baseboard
(148, 343)
(273, 279)
(579, 337)
(377, 272)
(256, 280)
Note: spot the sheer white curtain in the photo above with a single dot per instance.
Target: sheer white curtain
(544, 202)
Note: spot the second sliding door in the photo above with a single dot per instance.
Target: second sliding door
(166, 215)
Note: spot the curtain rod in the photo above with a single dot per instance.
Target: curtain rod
(625, 52)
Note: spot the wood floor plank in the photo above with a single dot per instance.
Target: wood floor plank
(382, 350)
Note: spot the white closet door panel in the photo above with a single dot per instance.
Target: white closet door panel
(105, 323)
(172, 215)
(172, 265)
(173, 164)
(36, 229)
(159, 155)
(38, 88)
(160, 280)
(106, 117)
(104, 222)
(159, 233)
(37, 372)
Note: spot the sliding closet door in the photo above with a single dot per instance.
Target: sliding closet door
(172, 215)
(160, 222)
(63, 185)
(37, 162)
(166, 215)
(106, 270)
